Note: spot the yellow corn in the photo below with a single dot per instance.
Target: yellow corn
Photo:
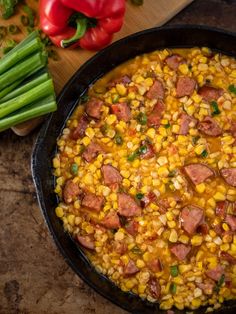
(197, 240)
(86, 141)
(184, 239)
(151, 133)
(184, 268)
(89, 132)
(111, 119)
(225, 226)
(183, 68)
(200, 188)
(121, 89)
(218, 196)
(199, 149)
(59, 212)
(149, 81)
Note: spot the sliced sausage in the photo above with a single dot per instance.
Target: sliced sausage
(185, 86)
(155, 265)
(91, 151)
(86, 241)
(156, 91)
(71, 191)
(191, 217)
(233, 128)
(111, 221)
(93, 201)
(93, 108)
(203, 228)
(132, 227)
(120, 247)
(154, 288)
(198, 173)
(231, 221)
(215, 273)
(174, 61)
(79, 131)
(180, 251)
(221, 208)
(227, 257)
(185, 121)
(130, 268)
(154, 118)
(127, 206)
(209, 127)
(229, 175)
(111, 175)
(210, 93)
(125, 80)
(122, 111)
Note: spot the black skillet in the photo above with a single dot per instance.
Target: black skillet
(45, 147)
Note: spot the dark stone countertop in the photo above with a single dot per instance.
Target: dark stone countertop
(34, 278)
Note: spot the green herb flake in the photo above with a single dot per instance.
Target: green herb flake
(139, 196)
(115, 98)
(204, 153)
(118, 139)
(215, 108)
(74, 168)
(173, 288)
(167, 126)
(136, 250)
(8, 8)
(132, 156)
(219, 283)
(104, 128)
(174, 271)
(232, 89)
(142, 118)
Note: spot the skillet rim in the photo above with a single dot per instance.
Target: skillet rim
(228, 306)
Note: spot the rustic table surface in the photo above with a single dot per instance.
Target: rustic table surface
(34, 278)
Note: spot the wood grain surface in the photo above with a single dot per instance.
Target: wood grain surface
(151, 13)
(34, 277)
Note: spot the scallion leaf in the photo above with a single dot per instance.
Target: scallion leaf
(174, 271)
(232, 88)
(219, 283)
(74, 168)
(204, 153)
(139, 196)
(215, 108)
(132, 156)
(118, 139)
(167, 126)
(173, 288)
(142, 118)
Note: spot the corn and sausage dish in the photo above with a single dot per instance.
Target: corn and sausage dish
(146, 177)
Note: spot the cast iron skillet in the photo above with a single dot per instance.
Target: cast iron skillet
(45, 147)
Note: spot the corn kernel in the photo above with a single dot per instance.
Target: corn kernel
(173, 236)
(196, 98)
(175, 128)
(200, 188)
(190, 110)
(199, 149)
(111, 119)
(89, 132)
(196, 240)
(233, 73)
(56, 162)
(163, 171)
(141, 288)
(131, 96)
(225, 226)
(71, 219)
(86, 141)
(184, 239)
(88, 179)
(140, 263)
(224, 247)
(130, 284)
(196, 302)
(149, 81)
(183, 68)
(59, 212)
(126, 183)
(211, 202)
(151, 133)
(218, 196)
(136, 163)
(139, 79)
(184, 268)
(125, 173)
(121, 89)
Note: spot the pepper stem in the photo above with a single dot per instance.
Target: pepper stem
(81, 27)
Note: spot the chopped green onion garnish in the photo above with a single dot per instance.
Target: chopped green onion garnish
(136, 250)
(132, 156)
(140, 151)
(167, 126)
(115, 98)
(104, 128)
(142, 118)
(173, 288)
(13, 29)
(139, 196)
(174, 271)
(118, 139)
(232, 88)
(215, 108)
(219, 283)
(74, 168)
(204, 153)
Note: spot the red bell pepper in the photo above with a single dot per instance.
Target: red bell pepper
(95, 22)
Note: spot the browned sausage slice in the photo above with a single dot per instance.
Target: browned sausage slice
(209, 127)
(185, 121)
(91, 152)
(71, 191)
(221, 208)
(198, 173)
(210, 93)
(180, 251)
(93, 108)
(147, 199)
(125, 80)
(122, 111)
(156, 91)
(154, 118)
(191, 217)
(111, 175)
(154, 288)
(155, 265)
(93, 201)
(86, 241)
(185, 86)
(111, 221)
(231, 221)
(79, 131)
(227, 257)
(229, 175)
(130, 268)
(132, 227)
(215, 273)
(233, 128)
(120, 247)
(174, 61)
(127, 206)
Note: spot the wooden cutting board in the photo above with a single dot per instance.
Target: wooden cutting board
(151, 13)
